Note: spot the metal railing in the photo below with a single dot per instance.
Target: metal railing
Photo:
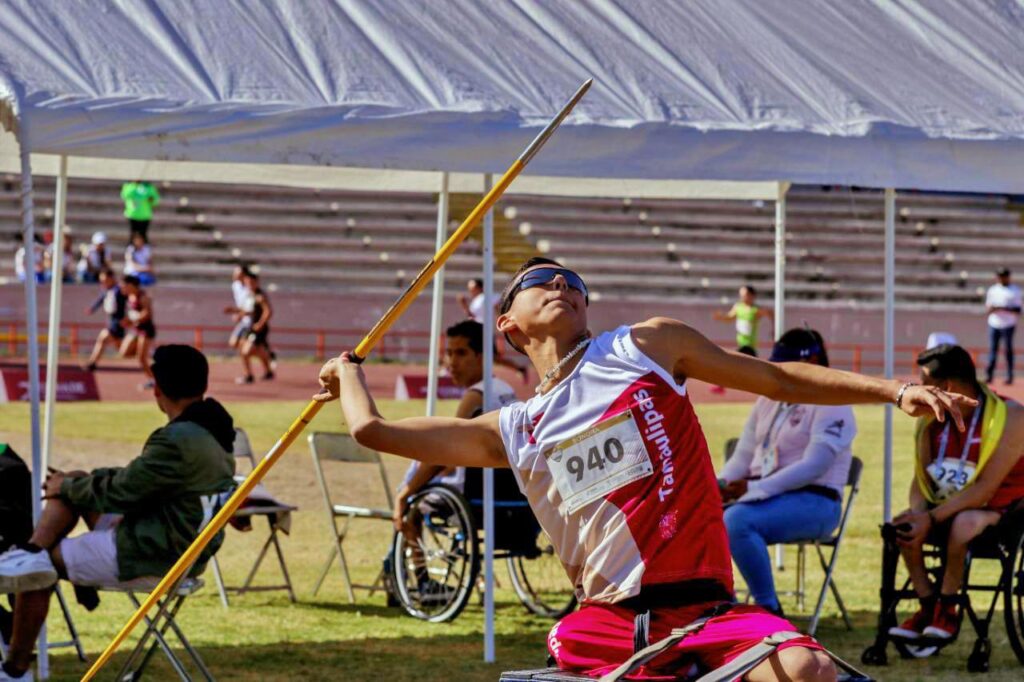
(396, 346)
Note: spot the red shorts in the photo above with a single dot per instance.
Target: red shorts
(599, 637)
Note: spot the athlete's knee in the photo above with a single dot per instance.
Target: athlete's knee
(798, 664)
(968, 525)
(739, 522)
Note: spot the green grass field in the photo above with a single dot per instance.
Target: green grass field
(264, 637)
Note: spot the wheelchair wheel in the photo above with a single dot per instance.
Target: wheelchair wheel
(1013, 596)
(434, 576)
(540, 581)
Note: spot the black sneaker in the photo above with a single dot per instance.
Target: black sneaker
(247, 379)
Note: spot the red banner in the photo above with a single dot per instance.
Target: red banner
(414, 387)
(73, 383)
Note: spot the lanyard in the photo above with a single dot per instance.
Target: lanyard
(944, 438)
(778, 411)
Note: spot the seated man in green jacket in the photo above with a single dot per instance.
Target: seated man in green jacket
(142, 516)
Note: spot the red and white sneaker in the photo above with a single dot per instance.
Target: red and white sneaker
(916, 625)
(945, 622)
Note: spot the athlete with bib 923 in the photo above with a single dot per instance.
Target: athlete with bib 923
(617, 471)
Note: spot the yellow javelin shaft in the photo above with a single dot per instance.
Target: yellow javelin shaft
(365, 346)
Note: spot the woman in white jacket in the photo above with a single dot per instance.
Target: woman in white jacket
(785, 479)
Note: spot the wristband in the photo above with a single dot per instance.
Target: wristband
(899, 395)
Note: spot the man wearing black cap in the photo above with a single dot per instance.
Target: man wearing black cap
(142, 516)
(1003, 304)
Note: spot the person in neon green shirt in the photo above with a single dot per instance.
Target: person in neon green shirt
(747, 316)
(140, 198)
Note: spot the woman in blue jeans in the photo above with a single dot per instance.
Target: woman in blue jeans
(784, 481)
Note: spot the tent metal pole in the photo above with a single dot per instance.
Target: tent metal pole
(890, 335)
(780, 297)
(32, 337)
(437, 302)
(489, 531)
(780, 260)
(60, 204)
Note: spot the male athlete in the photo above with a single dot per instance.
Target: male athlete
(615, 466)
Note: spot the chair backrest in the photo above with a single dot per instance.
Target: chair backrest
(243, 448)
(341, 447)
(853, 483)
(853, 478)
(730, 447)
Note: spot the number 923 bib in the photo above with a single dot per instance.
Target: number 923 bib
(593, 463)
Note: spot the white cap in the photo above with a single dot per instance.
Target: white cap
(939, 339)
(99, 238)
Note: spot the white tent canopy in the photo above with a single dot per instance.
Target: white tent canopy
(910, 94)
(897, 93)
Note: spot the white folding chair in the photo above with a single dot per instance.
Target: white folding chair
(829, 565)
(156, 630)
(75, 640)
(243, 451)
(339, 447)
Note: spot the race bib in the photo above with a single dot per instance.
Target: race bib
(948, 478)
(744, 327)
(591, 464)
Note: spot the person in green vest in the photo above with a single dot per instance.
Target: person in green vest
(141, 516)
(140, 198)
(747, 316)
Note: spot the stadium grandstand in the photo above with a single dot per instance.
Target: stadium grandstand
(948, 245)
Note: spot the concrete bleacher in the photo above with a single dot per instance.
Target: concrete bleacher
(947, 245)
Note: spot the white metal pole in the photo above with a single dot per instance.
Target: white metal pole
(488, 393)
(60, 203)
(437, 303)
(780, 298)
(780, 260)
(890, 335)
(32, 337)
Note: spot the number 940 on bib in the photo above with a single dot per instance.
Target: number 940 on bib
(598, 460)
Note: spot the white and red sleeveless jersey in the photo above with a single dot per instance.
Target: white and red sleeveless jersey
(617, 471)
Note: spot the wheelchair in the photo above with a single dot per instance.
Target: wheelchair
(433, 578)
(1003, 543)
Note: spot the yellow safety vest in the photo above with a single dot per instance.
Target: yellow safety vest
(993, 422)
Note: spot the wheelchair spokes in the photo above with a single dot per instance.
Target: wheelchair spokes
(540, 581)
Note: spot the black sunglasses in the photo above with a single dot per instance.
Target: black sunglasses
(541, 277)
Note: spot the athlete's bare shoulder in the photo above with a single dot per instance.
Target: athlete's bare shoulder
(664, 340)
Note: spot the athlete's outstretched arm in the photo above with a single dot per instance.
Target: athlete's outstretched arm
(686, 353)
(434, 440)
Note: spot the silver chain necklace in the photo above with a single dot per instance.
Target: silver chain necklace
(550, 374)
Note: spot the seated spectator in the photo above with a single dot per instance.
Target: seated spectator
(114, 304)
(39, 252)
(464, 360)
(963, 483)
(67, 261)
(94, 259)
(138, 260)
(786, 476)
(142, 516)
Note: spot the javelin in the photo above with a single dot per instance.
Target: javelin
(417, 285)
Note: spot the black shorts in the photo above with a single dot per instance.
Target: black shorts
(747, 350)
(115, 329)
(259, 338)
(147, 329)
